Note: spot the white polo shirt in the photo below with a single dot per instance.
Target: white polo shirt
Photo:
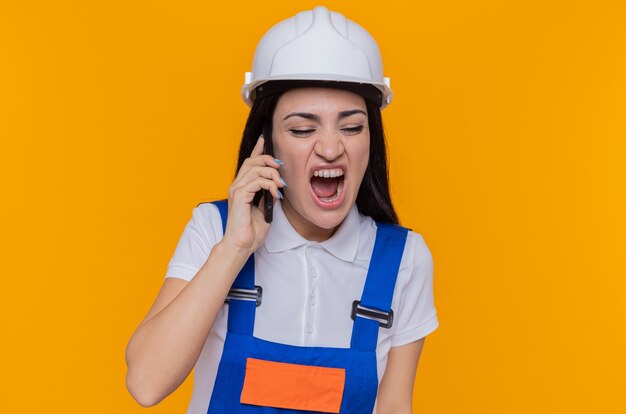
(308, 289)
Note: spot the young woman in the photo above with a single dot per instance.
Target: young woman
(326, 308)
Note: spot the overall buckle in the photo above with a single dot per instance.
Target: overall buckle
(255, 295)
(384, 319)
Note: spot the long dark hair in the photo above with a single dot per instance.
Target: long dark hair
(373, 198)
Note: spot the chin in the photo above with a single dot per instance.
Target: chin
(305, 214)
(329, 219)
(328, 223)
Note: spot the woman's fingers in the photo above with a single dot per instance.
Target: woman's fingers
(248, 188)
(246, 225)
(265, 184)
(265, 172)
(259, 160)
(258, 147)
(258, 164)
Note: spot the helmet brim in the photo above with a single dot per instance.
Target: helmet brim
(366, 90)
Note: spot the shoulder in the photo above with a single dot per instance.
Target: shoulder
(416, 251)
(204, 227)
(416, 315)
(416, 267)
(202, 232)
(207, 211)
(206, 222)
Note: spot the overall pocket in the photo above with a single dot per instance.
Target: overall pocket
(293, 386)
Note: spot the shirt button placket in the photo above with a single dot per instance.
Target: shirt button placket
(312, 300)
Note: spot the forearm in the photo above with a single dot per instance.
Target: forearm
(164, 349)
(395, 409)
(395, 393)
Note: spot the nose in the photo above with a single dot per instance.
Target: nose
(329, 146)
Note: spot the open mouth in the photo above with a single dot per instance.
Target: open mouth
(327, 186)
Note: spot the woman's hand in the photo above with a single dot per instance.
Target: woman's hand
(246, 228)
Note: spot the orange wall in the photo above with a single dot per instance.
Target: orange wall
(507, 143)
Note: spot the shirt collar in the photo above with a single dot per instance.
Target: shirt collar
(281, 235)
(343, 244)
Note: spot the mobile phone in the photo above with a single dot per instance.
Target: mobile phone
(268, 199)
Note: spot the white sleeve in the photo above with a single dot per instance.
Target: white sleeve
(416, 315)
(201, 233)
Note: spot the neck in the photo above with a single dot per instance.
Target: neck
(305, 228)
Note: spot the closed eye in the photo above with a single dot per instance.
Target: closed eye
(352, 130)
(301, 132)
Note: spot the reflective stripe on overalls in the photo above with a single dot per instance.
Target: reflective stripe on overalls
(259, 376)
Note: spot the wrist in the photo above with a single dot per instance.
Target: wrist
(232, 252)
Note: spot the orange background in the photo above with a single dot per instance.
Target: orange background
(507, 144)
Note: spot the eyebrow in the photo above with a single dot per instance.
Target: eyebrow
(345, 114)
(303, 115)
(314, 117)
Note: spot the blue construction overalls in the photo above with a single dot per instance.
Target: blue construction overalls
(352, 370)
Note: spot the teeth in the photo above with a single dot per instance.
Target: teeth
(338, 172)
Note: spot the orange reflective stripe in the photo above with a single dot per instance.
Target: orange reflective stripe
(298, 387)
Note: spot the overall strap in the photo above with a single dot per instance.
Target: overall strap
(241, 313)
(379, 285)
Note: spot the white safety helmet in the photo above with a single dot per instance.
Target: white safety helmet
(317, 45)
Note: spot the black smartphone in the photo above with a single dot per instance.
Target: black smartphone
(268, 199)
